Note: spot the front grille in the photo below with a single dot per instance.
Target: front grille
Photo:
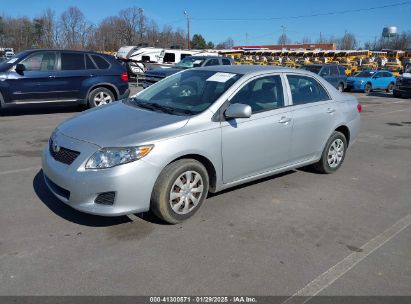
(57, 189)
(106, 198)
(63, 155)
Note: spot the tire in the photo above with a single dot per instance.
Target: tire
(330, 163)
(367, 88)
(174, 210)
(100, 96)
(340, 87)
(390, 88)
(397, 95)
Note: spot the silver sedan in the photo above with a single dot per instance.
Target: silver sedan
(199, 131)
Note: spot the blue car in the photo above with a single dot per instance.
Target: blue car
(38, 76)
(369, 80)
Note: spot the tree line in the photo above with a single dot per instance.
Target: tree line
(131, 26)
(72, 30)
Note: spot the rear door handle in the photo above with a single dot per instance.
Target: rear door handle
(91, 75)
(284, 120)
(330, 110)
(52, 76)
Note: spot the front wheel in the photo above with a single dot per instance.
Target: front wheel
(390, 88)
(333, 155)
(340, 87)
(180, 190)
(367, 88)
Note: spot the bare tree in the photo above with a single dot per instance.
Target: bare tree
(74, 29)
(134, 25)
(283, 39)
(347, 42)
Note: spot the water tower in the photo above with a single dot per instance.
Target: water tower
(389, 31)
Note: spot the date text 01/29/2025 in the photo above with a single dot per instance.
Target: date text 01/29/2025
(203, 299)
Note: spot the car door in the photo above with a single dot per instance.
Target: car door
(71, 76)
(377, 81)
(325, 73)
(313, 114)
(261, 143)
(334, 75)
(36, 82)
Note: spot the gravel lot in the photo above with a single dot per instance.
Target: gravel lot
(271, 237)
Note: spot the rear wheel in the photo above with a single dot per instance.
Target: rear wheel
(180, 190)
(397, 95)
(390, 87)
(367, 88)
(333, 155)
(340, 87)
(100, 96)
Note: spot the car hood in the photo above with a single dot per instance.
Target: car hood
(121, 124)
(162, 72)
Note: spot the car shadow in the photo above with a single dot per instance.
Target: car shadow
(68, 213)
(381, 94)
(36, 109)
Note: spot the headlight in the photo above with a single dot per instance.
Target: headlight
(53, 137)
(110, 157)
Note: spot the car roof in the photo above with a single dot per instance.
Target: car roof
(249, 69)
(203, 57)
(61, 50)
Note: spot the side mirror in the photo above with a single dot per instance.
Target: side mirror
(238, 110)
(20, 68)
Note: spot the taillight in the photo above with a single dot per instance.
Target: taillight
(359, 107)
(124, 76)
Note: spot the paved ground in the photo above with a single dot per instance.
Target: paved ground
(277, 236)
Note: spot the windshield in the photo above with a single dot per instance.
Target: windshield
(186, 93)
(365, 74)
(189, 62)
(312, 68)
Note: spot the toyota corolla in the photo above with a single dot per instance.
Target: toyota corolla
(199, 131)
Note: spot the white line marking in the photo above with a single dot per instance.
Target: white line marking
(334, 273)
(19, 170)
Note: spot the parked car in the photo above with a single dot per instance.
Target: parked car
(37, 76)
(403, 85)
(369, 80)
(202, 130)
(152, 76)
(333, 73)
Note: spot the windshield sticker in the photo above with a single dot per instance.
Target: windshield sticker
(12, 60)
(220, 77)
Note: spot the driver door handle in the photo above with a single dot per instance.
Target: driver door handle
(284, 120)
(52, 76)
(330, 111)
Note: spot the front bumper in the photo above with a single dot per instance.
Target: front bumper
(355, 85)
(78, 187)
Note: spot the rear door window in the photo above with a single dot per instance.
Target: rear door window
(334, 70)
(101, 63)
(226, 61)
(342, 71)
(72, 61)
(89, 63)
(211, 62)
(305, 89)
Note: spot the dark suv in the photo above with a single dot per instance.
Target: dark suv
(152, 76)
(333, 73)
(87, 78)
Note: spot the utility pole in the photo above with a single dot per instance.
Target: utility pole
(284, 36)
(188, 29)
